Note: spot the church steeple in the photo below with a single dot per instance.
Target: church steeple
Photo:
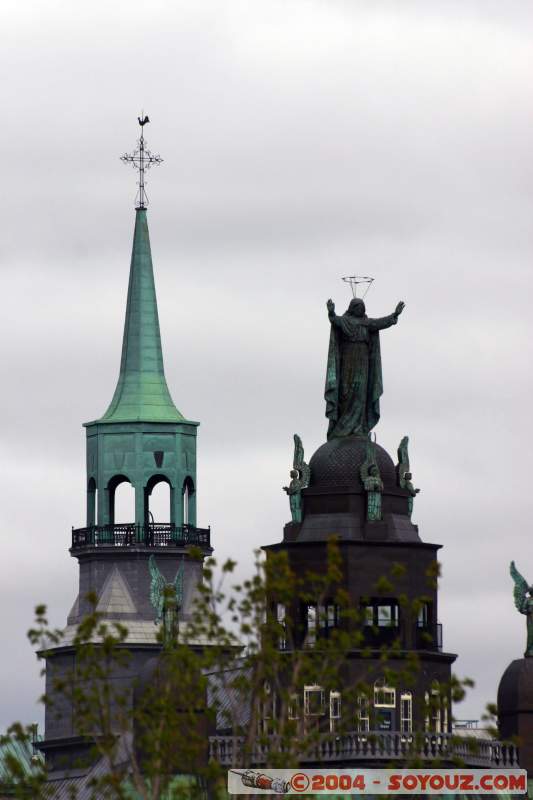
(142, 393)
(142, 438)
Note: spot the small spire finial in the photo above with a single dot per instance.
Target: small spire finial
(141, 159)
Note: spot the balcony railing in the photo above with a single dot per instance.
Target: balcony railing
(378, 746)
(154, 535)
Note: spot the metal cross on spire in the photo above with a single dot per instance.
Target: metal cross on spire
(141, 159)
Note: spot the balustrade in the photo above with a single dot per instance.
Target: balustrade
(131, 535)
(376, 746)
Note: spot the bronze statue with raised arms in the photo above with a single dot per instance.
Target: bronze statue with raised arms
(354, 381)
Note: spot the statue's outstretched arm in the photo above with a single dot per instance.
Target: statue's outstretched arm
(385, 322)
(381, 323)
(333, 318)
(331, 311)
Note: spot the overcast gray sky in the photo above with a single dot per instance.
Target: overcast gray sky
(302, 141)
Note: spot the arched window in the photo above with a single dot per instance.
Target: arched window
(363, 714)
(268, 710)
(406, 712)
(188, 491)
(310, 638)
(384, 706)
(435, 704)
(158, 500)
(334, 710)
(92, 511)
(434, 709)
(294, 706)
(445, 721)
(281, 613)
(314, 701)
(384, 696)
(121, 501)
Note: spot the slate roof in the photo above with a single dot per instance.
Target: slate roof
(23, 752)
(63, 787)
(228, 700)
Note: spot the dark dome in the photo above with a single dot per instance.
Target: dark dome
(515, 692)
(337, 463)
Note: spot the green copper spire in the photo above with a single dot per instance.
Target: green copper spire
(142, 393)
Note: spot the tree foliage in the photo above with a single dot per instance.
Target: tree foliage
(234, 666)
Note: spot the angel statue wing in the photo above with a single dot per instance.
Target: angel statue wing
(403, 453)
(298, 452)
(178, 585)
(402, 467)
(157, 588)
(520, 591)
(299, 463)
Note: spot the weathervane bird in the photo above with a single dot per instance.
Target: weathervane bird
(143, 122)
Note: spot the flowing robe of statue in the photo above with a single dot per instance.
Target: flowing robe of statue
(354, 381)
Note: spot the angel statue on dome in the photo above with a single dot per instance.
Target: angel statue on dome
(523, 600)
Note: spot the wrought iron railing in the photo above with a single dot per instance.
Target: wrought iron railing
(378, 746)
(153, 535)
